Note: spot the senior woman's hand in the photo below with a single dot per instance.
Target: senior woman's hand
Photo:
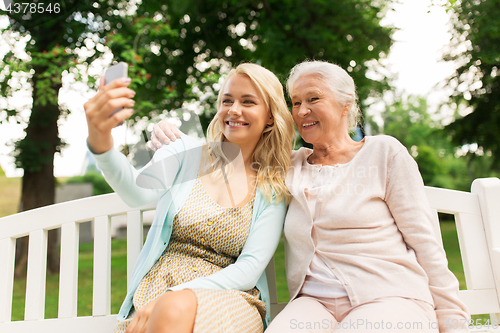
(98, 111)
(163, 133)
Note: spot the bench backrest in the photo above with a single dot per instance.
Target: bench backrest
(477, 216)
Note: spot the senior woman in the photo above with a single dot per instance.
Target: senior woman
(360, 247)
(361, 251)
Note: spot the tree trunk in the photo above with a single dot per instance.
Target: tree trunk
(38, 185)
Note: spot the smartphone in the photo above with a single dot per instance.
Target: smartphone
(120, 70)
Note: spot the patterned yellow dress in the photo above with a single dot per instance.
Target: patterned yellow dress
(205, 239)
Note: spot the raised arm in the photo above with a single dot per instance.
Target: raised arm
(119, 173)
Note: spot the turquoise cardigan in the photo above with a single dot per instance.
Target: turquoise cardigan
(169, 178)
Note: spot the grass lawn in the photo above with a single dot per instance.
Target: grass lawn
(85, 275)
(119, 277)
(10, 195)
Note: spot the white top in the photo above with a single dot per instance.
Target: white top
(320, 280)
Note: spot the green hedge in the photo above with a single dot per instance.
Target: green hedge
(96, 179)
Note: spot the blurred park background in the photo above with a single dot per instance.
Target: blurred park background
(178, 51)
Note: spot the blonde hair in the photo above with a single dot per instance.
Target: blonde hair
(271, 157)
(340, 82)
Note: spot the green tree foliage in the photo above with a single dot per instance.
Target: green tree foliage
(214, 35)
(409, 122)
(57, 41)
(141, 41)
(476, 83)
(440, 161)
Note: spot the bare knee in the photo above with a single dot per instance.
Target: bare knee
(174, 309)
(175, 303)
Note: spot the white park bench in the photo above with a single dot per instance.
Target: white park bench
(477, 217)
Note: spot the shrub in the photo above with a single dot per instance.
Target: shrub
(96, 179)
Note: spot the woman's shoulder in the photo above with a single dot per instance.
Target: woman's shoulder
(261, 203)
(384, 142)
(298, 156)
(383, 139)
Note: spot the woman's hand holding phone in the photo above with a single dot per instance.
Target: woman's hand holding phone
(101, 118)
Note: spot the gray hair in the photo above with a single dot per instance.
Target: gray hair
(340, 82)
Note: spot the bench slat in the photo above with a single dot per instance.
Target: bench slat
(271, 282)
(36, 276)
(480, 301)
(451, 201)
(488, 191)
(73, 325)
(474, 251)
(68, 278)
(7, 260)
(101, 301)
(276, 309)
(53, 216)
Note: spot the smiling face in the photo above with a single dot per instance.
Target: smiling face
(243, 114)
(318, 116)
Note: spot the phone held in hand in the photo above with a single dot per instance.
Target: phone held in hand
(120, 70)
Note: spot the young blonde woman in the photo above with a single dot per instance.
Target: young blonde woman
(220, 211)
